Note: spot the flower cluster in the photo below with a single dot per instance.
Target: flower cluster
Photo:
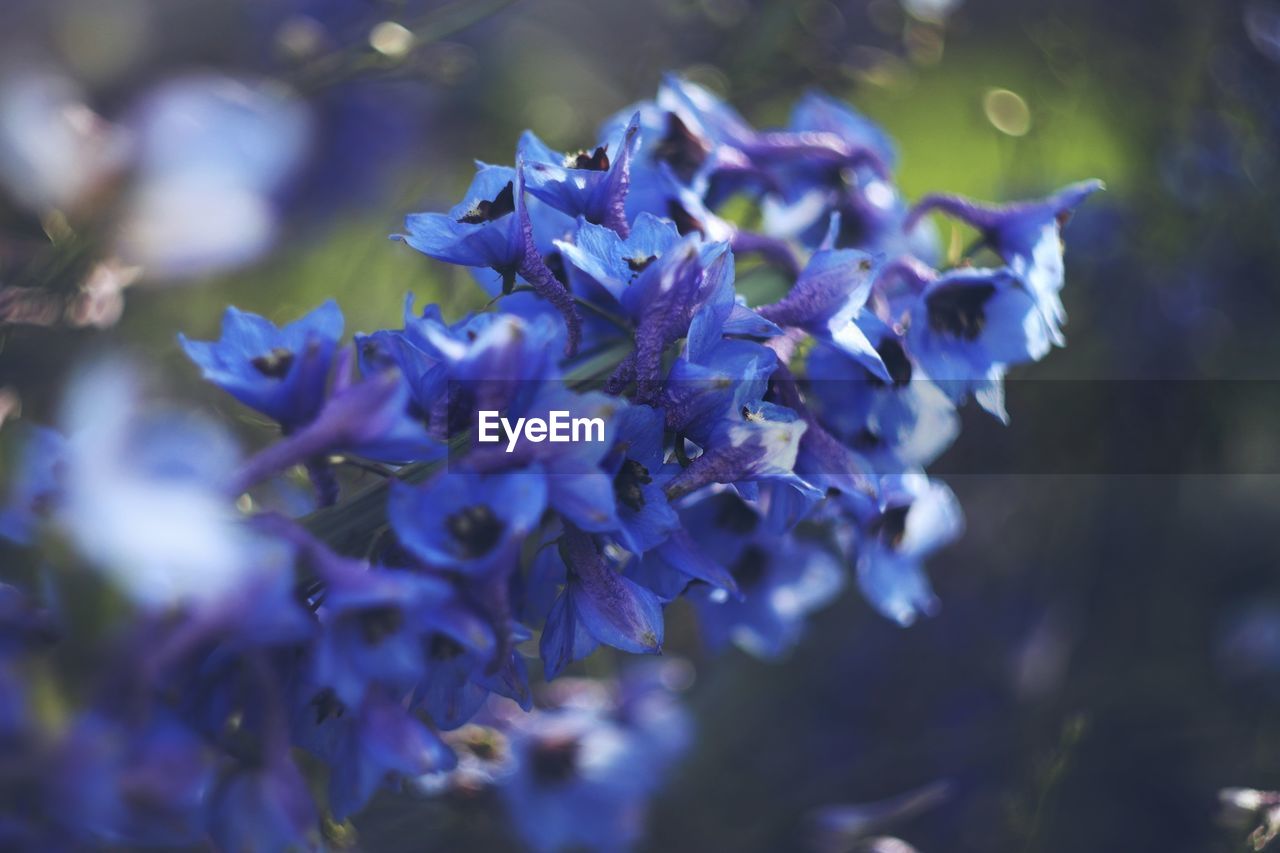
(751, 458)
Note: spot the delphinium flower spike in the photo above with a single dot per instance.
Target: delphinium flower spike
(618, 430)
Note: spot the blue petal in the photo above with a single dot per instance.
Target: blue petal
(616, 611)
(564, 638)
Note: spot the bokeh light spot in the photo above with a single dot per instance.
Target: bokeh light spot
(391, 39)
(1007, 112)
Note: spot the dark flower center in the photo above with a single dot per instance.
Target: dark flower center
(417, 413)
(488, 211)
(891, 526)
(866, 439)
(484, 750)
(596, 161)
(735, 516)
(895, 360)
(274, 364)
(553, 761)
(378, 623)
(960, 311)
(555, 263)
(749, 569)
(639, 264)
(475, 530)
(680, 149)
(444, 648)
(327, 705)
(628, 485)
(685, 221)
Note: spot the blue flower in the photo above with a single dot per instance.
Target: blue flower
(428, 352)
(905, 422)
(597, 605)
(460, 676)
(1028, 237)
(373, 628)
(497, 362)
(638, 468)
(759, 443)
(588, 184)
(819, 112)
(780, 578)
(374, 416)
(670, 568)
(603, 266)
(969, 325)
(368, 745)
(264, 807)
(719, 476)
(468, 522)
(584, 772)
(675, 153)
(281, 372)
(663, 302)
(857, 188)
(827, 299)
(481, 230)
(124, 786)
(716, 375)
(146, 497)
(492, 229)
(576, 485)
(912, 517)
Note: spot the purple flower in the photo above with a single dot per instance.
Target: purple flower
(492, 229)
(281, 372)
(969, 325)
(827, 299)
(598, 605)
(590, 184)
(584, 771)
(367, 745)
(1028, 237)
(780, 578)
(467, 522)
(912, 517)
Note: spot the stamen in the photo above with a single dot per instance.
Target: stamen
(554, 761)
(960, 311)
(475, 531)
(274, 364)
(629, 482)
(489, 211)
(597, 161)
(750, 567)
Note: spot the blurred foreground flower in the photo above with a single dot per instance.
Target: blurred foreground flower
(118, 165)
(579, 773)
